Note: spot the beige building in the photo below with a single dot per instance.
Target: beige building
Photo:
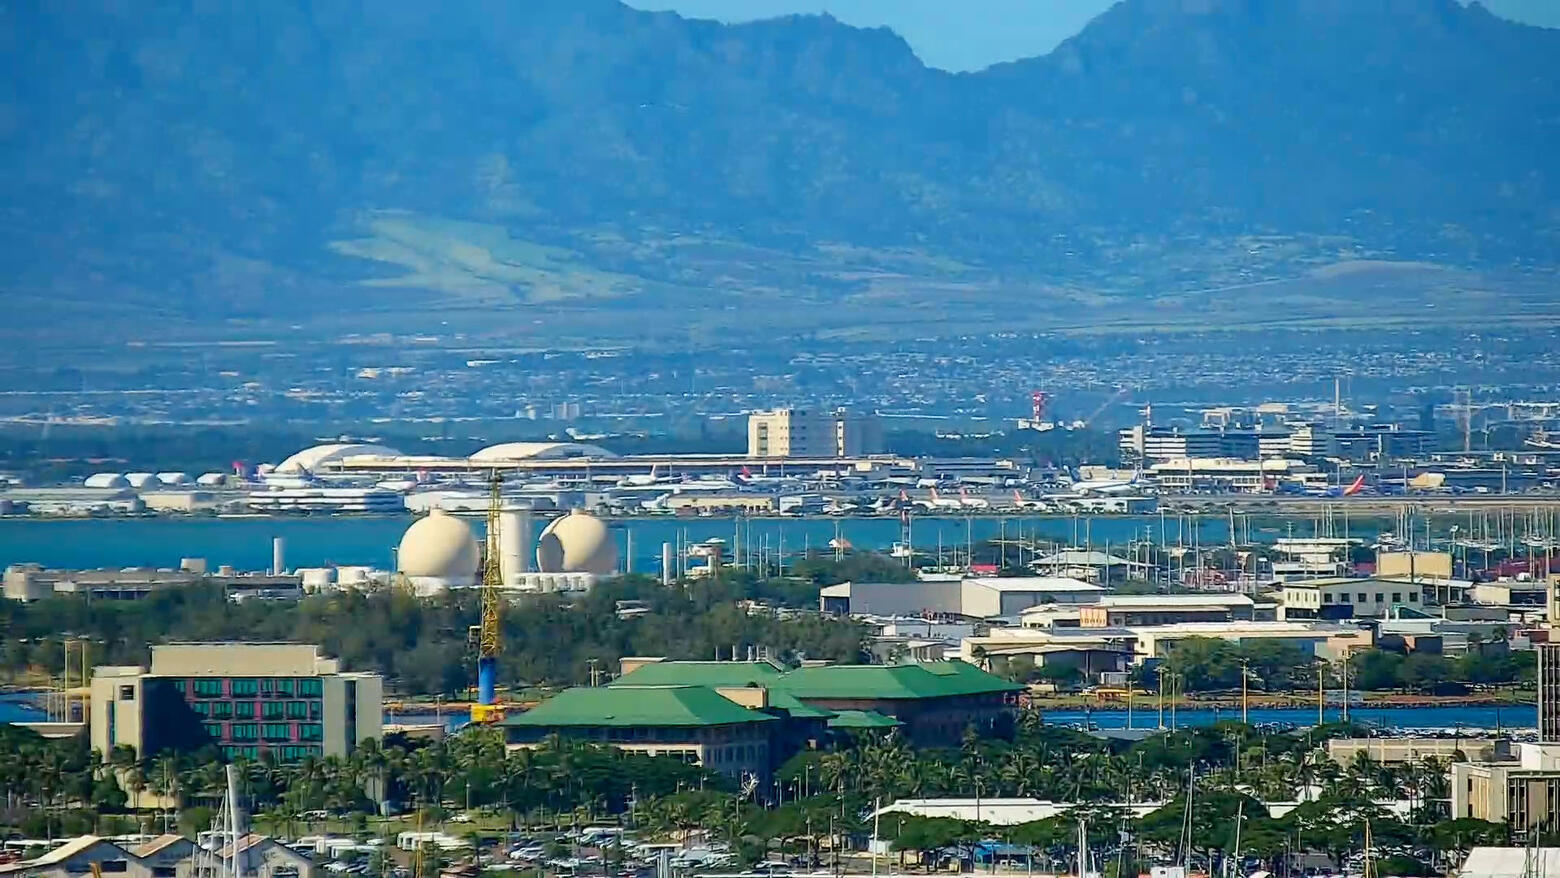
(1395, 751)
(1373, 597)
(1419, 565)
(1524, 793)
(808, 433)
(284, 698)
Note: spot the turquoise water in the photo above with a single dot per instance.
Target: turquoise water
(1518, 716)
(245, 543)
(1524, 716)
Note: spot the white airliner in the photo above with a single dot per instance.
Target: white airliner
(653, 478)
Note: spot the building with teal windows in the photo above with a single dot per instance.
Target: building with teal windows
(243, 698)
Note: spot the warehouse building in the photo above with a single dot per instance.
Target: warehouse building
(975, 597)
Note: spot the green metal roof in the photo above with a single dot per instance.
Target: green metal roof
(863, 719)
(637, 706)
(779, 698)
(721, 675)
(700, 674)
(895, 682)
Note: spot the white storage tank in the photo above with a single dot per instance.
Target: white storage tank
(514, 540)
(106, 480)
(174, 478)
(142, 480)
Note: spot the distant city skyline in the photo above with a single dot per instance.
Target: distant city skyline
(974, 35)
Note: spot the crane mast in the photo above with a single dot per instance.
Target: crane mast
(490, 636)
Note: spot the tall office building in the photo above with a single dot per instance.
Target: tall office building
(1549, 691)
(1549, 673)
(242, 697)
(816, 434)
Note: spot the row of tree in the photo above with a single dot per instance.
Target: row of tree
(1204, 664)
(61, 786)
(420, 644)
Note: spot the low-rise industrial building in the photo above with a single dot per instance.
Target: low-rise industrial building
(1398, 751)
(245, 698)
(1138, 643)
(1164, 609)
(31, 582)
(976, 597)
(1374, 597)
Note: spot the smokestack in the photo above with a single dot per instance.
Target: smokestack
(666, 563)
(628, 550)
(278, 556)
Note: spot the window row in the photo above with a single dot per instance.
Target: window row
(266, 709)
(255, 687)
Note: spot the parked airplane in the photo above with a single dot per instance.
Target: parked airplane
(968, 502)
(1020, 502)
(653, 478)
(1355, 487)
(1110, 486)
(939, 502)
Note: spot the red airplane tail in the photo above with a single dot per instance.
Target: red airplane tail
(1355, 488)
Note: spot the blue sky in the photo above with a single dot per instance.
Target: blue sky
(971, 34)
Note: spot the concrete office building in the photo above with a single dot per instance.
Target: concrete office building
(242, 697)
(1549, 673)
(807, 433)
(1523, 793)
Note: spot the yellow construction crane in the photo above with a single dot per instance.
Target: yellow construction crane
(489, 634)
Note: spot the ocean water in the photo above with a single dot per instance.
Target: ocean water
(245, 543)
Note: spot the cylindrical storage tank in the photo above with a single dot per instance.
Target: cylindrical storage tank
(513, 534)
(278, 556)
(666, 563)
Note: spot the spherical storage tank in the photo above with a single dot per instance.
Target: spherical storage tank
(439, 546)
(577, 543)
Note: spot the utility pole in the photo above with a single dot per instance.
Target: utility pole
(1245, 675)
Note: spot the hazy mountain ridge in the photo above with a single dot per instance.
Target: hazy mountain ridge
(200, 157)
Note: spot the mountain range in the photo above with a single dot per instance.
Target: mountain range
(204, 162)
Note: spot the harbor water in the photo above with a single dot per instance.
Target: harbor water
(245, 543)
(1514, 717)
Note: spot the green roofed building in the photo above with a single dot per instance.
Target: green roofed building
(694, 723)
(934, 701)
(745, 718)
(863, 721)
